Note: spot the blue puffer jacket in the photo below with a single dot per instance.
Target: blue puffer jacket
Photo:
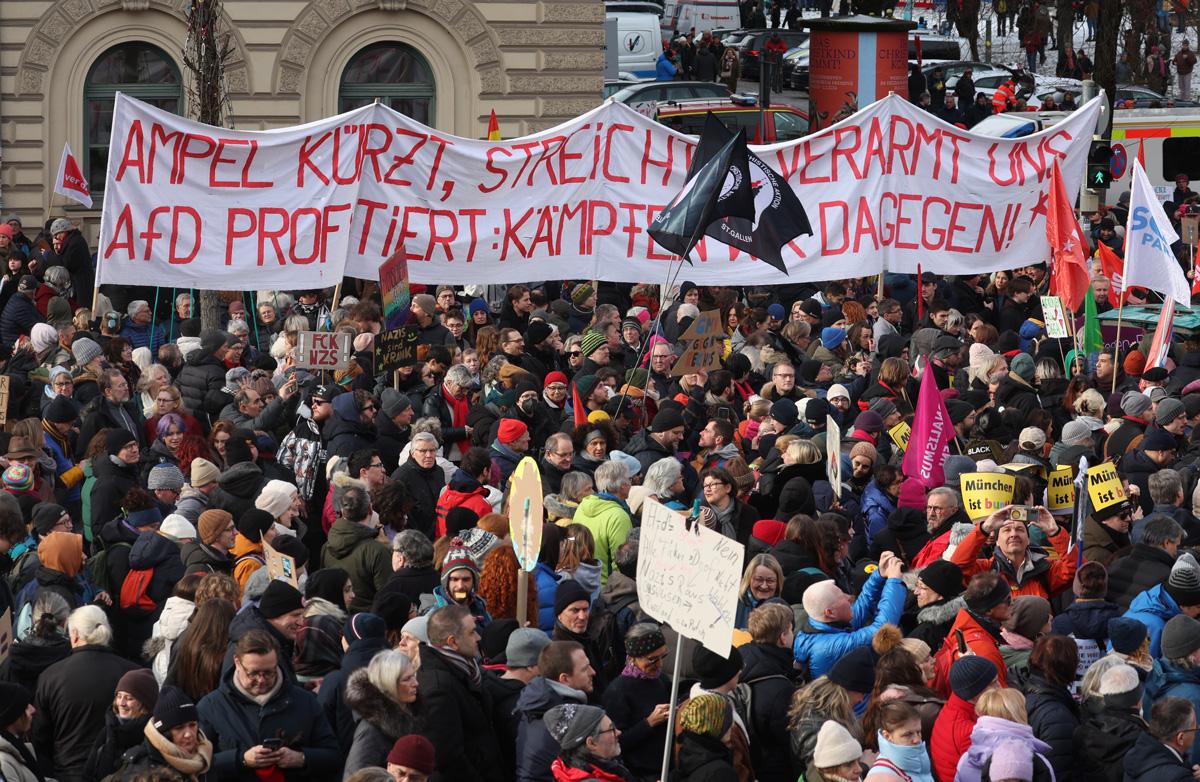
(547, 585)
(1153, 608)
(818, 645)
(875, 507)
(1168, 679)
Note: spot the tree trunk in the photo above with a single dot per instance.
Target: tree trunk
(1108, 28)
(1065, 31)
(968, 25)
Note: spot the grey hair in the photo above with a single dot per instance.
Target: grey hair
(370, 774)
(553, 440)
(1170, 716)
(1159, 528)
(58, 276)
(1047, 369)
(181, 298)
(459, 375)
(946, 491)
(414, 547)
(575, 485)
(1089, 686)
(610, 475)
(356, 504)
(90, 626)
(641, 630)
(386, 668)
(574, 339)
(954, 318)
(52, 606)
(1090, 402)
(491, 370)
(237, 326)
(1165, 486)
(135, 307)
(662, 475)
(295, 323)
(426, 436)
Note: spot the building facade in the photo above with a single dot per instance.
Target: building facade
(447, 63)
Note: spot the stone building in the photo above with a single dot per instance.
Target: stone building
(447, 63)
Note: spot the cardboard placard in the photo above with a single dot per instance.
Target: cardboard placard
(280, 566)
(525, 512)
(1056, 319)
(900, 434)
(393, 287)
(833, 455)
(4, 399)
(1189, 229)
(395, 348)
(984, 493)
(323, 350)
(705, 341)
(1105, 487)
(1060, 489)
(6, 634)
(689, 578)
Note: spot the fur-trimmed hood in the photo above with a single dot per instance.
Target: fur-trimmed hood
(941, 613)
(368, 703)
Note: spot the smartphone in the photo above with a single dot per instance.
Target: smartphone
(962, 644)
(275, 745)
(1020, 513)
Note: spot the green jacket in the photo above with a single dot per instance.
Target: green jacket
(609, 524)
(89, 480)
(357, 550)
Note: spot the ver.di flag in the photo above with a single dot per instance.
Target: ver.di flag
(70, 181)
(932, 431)
(718, 186)
(1149, 261)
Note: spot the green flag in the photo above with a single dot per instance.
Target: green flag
(1093, 341)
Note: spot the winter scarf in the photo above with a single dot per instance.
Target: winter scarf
(190, 765)
(458, 415)
(468, 666)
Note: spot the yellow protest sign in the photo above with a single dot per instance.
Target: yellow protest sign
(900, 434)
(1104, 486)
(1060, 489)
(984, 493)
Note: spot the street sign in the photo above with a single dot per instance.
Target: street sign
(1118, 162)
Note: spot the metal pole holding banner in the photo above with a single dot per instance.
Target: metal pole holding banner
(522, 579)
(1117, 345)
(666, 764)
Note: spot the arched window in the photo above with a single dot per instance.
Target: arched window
(137, 69)
(395, 74)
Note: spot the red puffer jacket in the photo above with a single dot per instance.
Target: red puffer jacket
(951, 737)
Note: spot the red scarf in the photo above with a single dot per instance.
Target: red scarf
(458, 415)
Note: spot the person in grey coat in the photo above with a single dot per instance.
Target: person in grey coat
(381, 696)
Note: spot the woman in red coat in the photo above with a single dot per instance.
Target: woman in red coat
(970, 677)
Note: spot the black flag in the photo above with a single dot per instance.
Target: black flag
(778, 217)
(717, 187)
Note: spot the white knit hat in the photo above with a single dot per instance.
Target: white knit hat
(835, 746)
(276, 497)
(178, 527)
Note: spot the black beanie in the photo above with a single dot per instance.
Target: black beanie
(712, 669)
(254, 523)
(942, 577)
(237, 449)
(569, 591)
(392, 606)
(666, 420)
(173, 708)
(46, 516)
(855, 671)
(278, 599)
(460, 519)
(291, 546)
(61, 410)
(117, 439)
(14, 699)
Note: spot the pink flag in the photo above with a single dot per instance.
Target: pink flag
(70, 181)
(1160, 345)
(929, 441)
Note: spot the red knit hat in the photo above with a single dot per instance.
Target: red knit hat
(510, 429)
(555, 377)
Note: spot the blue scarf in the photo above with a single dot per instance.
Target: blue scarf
(913, 759)
(614, 498)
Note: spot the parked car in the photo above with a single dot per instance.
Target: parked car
(750, 47)
(781, 122)
(645, 96)
(1131, 97)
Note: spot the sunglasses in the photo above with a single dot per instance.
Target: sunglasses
(575, 353)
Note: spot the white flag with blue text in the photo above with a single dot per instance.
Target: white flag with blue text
(1149, 261)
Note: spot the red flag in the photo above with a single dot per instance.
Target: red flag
(1069, 278)
(929, 440)
(1114, 270)
(70, 181)
(1141, 156)
(1160, 345)
(493, 128)
(577, 407)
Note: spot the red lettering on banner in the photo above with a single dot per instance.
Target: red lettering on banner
(592, 230)
(566, 214)
(149, 235)
(124, 225)
(865, 226)
(471, 214)
(371, 207)
(546, 160)
(827, 221)
(875, 149)
(653, 253)
(231, 230)
(509, 234)
(565, 158)
(902, 221)
(938, 233)
(491, 168)
(620, 127)
(544, 232)
(667, 164)
(631, 227)
(405, 234)
(907, 163)
(444, 240)
(185, 151)
(131, 157)
(956, 227)
(273, 235)
(846, 153)
(173, 256)
(527, 148)
(296, 236)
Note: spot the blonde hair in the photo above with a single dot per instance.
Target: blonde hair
(1090, 402)
(1006, 703)
(821, 697)
(762, 560)
(803, 451)
(757, 410)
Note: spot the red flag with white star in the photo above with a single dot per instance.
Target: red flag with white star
(1069, 278)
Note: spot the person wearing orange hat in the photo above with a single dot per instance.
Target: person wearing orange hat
(60, 555)
(509, 447)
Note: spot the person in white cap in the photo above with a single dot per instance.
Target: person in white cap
(836, 757)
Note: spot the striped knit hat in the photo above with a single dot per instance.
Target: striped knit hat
(458, 558)
(708, 715)
(18, 478)
(592, 341)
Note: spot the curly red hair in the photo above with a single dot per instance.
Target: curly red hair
(498, 586)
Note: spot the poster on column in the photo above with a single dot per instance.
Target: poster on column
(187, 204)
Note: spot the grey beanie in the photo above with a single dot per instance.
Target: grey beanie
(1180, 637)
(1075, 431)
(1168, 410)
(1134, 403)
(572, 723)
(85, 351)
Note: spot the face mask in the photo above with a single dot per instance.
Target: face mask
(528, 405)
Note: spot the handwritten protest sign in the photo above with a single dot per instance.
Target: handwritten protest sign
(393, 287)
(323, 350)
(689, 578)
(4, 399)
(984, 493)
(396, 348)
(705, 340)
(833, 451)
(1060, 489)
(1105, 487)
(1056, 319)
(900, 434)
(280, 565)
(891, 187)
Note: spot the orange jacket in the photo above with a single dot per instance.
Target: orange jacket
(1052, 574)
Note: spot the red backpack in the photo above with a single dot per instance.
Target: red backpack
(135, 590)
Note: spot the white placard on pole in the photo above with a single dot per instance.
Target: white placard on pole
(833, 455)
(1056, 319)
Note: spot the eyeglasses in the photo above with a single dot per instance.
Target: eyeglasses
(425, 450)
(376, 464)
(714, 485)
(613, 729)
(575, 353)
(936, 509)
(368, 408)
(782, 376)
(556, 387)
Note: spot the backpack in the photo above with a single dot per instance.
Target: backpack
(98, 568)
(135, 590)
(608, 629)
(743, 701)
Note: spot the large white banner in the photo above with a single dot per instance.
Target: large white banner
(892, 186)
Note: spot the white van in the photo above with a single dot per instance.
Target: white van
(704, 15)
(1170, 139)
(639, 42)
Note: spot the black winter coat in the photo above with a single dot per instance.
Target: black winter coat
(344, 431)
(1138, 467)
(70, 716)
(100, 414)
(112, 483)
(19, 317)
(628, 701)
(536, 749)
(424, 486)
(1130, 575)
(113, 742)
(27, 659)
(704, 759)
(414, 582)
(201, 375)
(1101, 742)
(1086, 620)
(152, 551)
(380, 722)
(1054, 717)
(237, 489)
(457, 716)
(332, 695)
(77, 259)
(200, 557)
(234, 724)
(768, 672)
(436, 406)
(252, 619)
(1152, 761)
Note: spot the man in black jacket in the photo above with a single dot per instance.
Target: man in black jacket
(256, 704)
(74, 694)
(72, 252)
(1148, 561)
(1159, 753)
(770, 675)
(111, 410)
(424, 478)
(412, 565)
(456, 706)
(204, 373)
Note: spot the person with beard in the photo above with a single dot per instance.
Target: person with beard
(987, 605)
(1106, 532)
(572, 613)
(111, 410)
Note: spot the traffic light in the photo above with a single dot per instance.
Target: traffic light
(1099, 171)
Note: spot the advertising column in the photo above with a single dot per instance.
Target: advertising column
(853, 62)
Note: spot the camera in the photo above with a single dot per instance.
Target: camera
(1019, 513)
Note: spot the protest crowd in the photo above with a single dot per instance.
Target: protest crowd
(221, 566)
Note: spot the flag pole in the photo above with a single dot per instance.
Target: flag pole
(1117, 346)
